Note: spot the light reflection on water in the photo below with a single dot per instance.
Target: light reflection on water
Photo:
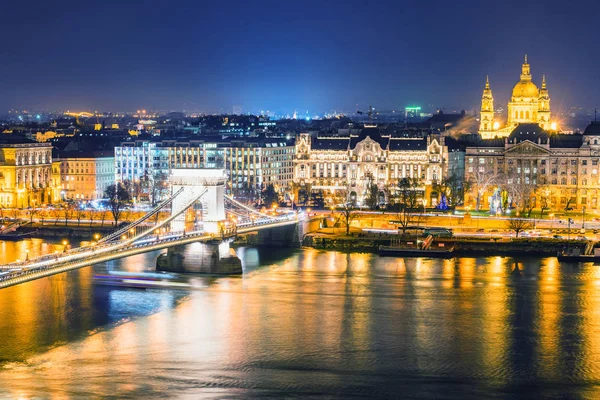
(308, 323)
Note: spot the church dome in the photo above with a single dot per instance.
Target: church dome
(592, 129)
(525, 89)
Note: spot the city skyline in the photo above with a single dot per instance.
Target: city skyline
(126, 57)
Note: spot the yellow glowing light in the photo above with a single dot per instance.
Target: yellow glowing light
(553, 126)
(496, 125)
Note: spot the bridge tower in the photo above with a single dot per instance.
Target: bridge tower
(194, 182)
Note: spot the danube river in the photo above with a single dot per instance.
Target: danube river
(308, 323)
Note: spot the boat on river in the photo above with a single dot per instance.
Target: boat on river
(412, 249)
(578, 254)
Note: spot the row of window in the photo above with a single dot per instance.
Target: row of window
(572, 162)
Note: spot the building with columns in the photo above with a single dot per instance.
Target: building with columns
(350, 163)
(527, 104)
(25, 173)
(559, 169)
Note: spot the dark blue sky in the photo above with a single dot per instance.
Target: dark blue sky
(316, 55)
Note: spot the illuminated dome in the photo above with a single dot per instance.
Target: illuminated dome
(525, 89)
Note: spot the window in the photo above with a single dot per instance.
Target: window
(583, 162)
(573, 181)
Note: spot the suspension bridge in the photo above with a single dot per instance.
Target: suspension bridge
(196, 211)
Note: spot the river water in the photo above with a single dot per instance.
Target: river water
(308, 323)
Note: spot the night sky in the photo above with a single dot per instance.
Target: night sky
(285, 55)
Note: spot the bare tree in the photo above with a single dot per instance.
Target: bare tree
(158, 186)
(521, 190)
(32, 211)
(118, 197)
(407, 201)
(43, 215)
(346, 212)
(518, 225)
(79, 212)
(480, 181)
(544, 195)
(68, 211)
(103, 217)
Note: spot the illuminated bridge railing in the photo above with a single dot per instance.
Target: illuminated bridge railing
(55, 263)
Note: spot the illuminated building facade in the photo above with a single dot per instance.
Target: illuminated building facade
(25, 173)
(559, 169)
(527, 105)
(351, 163)
(252, 163)
(86, 175)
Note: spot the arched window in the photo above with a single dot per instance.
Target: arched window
(584, 181)
(521, 114)
(485, 126)
(573, 181)
(563, 181)
(527, 114)
(516, 114)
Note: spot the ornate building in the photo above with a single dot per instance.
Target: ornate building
(560, 170)
(528, 104)
(25, 173)
(350, 163)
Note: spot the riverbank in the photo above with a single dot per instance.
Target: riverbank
(360, 242)
(65, 232)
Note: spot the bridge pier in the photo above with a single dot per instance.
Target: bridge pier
(203, 258)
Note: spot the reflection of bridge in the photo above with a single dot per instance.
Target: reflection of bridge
(198, 213)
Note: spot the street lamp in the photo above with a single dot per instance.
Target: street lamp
(27, 255)
(64, 243)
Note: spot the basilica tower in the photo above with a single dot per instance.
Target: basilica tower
(544, 106)
(486, 119)
(523, 105)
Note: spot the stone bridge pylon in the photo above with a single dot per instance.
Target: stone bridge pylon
(208, 185)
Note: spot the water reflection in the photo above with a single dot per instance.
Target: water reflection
(310, 322)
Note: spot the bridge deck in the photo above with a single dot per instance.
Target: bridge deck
(51, 265)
